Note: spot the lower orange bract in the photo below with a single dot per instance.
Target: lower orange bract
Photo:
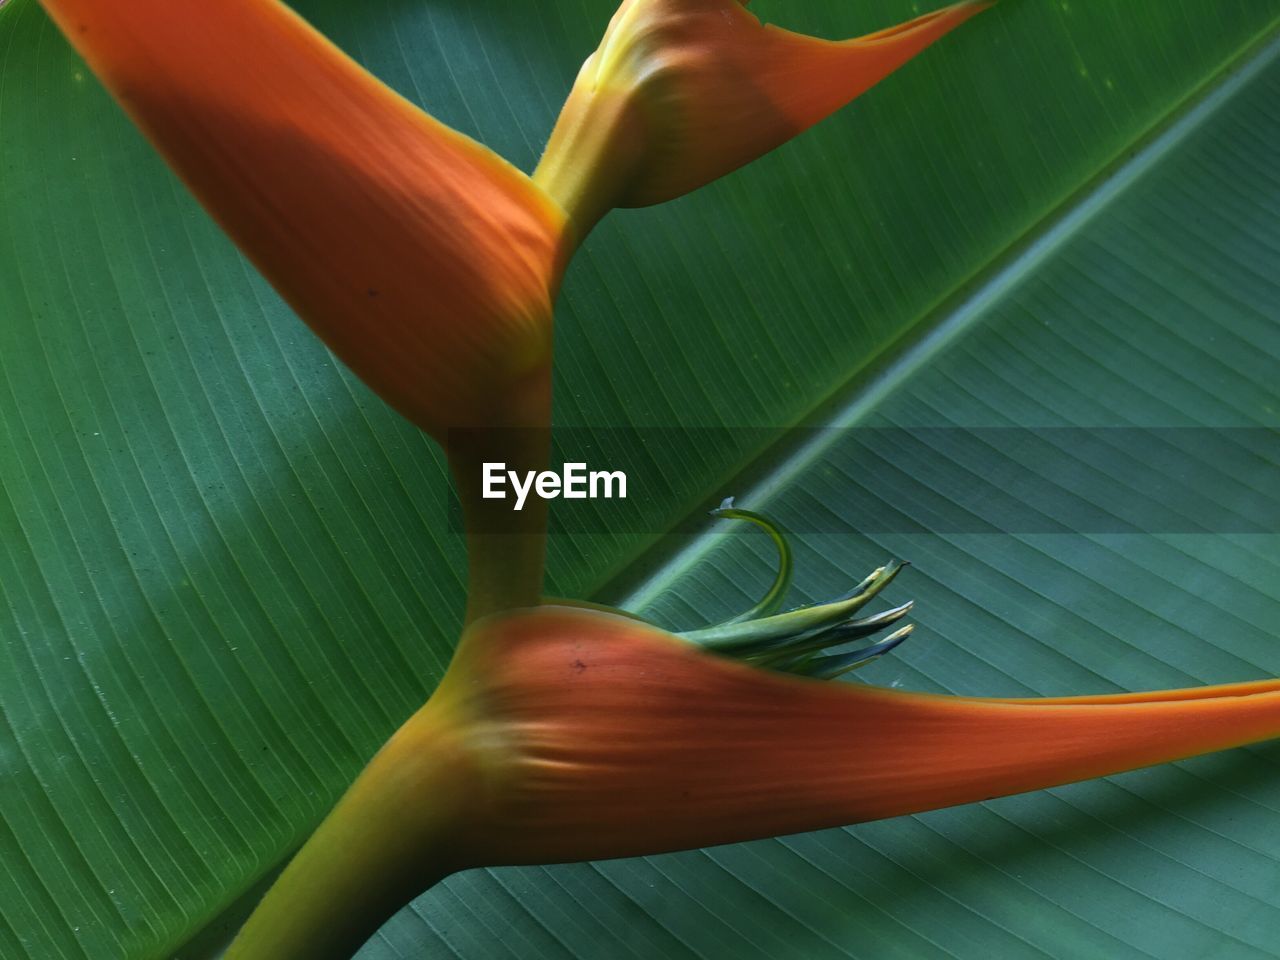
(619, 739)
(564, 734)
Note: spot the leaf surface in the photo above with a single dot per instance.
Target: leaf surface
(227, 571)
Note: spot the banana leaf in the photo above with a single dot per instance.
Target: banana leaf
(1038, 266)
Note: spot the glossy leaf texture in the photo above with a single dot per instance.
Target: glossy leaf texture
(227, 571)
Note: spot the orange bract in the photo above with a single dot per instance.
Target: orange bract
(621, 740)
(564, 734)
(425, 261)
(681, 92)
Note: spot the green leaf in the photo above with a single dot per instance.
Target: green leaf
(227, 571)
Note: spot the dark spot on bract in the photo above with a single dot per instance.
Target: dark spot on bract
(578, 666)
(372, 292)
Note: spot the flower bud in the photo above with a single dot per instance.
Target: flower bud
(681, 92)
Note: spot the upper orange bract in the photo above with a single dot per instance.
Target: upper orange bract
(681, 92)
(427, 262)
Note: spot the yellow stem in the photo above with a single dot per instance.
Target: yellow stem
(391, 836)
(506, 548)
(593, 152)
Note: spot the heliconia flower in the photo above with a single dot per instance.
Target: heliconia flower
(681, 92)
(566, 734)
(423, 259)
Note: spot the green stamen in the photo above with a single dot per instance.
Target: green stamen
(801, 621)
(782, 581)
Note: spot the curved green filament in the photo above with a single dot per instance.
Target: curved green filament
(782, 581)
(795, 641)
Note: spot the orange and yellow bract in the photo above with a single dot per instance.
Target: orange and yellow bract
(564, 734)
(424, 260)
(427, 262)
(621, 739)
(681, 92)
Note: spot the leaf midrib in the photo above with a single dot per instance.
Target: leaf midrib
(645, 577)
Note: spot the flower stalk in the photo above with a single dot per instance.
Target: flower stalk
(391, 833)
